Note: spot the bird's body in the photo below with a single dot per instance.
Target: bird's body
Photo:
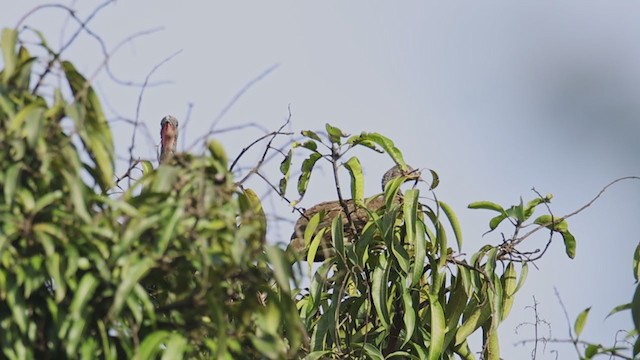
(359, 215)
(169, 138)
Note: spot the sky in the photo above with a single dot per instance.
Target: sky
(498, 97)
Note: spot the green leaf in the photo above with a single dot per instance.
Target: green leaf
(495, 221)
(313, 247)
(176, 347)
(488, 205)
(11, 181)
(147, 167)
(591, 351)
(419, 252)
(357, 180)
(9, 40)
(310, 134)
(562, 226)
(619, 308)
(335, 134)
(580, 321)
(635, 308)
(337, 235)
(307, 167)
(93, 128)
(135, 268)
(509, 286)
(636, 263)
(569, 243)
(438, 328)
(281, 267)
(151, 345)
(379, 289)
(388, 146)
(217, 152)
(435, 180)
(453, 220)
(317, 355)
(523, 277)
(373, 352)
(517, 212)
(409, 317)
(285, 166)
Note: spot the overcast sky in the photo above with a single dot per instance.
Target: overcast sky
(497, 97)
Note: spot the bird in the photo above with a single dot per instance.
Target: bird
(169, 138)
(359, 215)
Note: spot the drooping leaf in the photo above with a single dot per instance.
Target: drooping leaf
(388, 146)
(357, 180)
(307, 167)
(453, 220)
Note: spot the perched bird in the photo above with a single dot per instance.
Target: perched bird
(169, 138)
(358, 214)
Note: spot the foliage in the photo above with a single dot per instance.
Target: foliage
(400, 290)
(176, 265)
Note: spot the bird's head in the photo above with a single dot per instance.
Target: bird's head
(168, 136)
(409, 173)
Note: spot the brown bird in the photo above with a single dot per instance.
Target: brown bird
(358, 215)
(169, 138)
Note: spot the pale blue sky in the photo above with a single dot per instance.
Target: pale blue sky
(496, 96)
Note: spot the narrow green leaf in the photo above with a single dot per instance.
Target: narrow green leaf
(509, 285)
(523, 277)
(281, 267)
(410, 210)
(9, 40)
(379, 290)
(307, 167)
(337, 235)
(372, 352)
(135, 268)
(635, 308)
(357, 179)
(93, 128)
(10, 182)
(488, 205)
(419, 252)
(313, 247)
(438, 328)
(453, 220)
(636, 263)
(317, 355)
(619, 308)
(176, 347)
(409, 317)
(151, 345)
